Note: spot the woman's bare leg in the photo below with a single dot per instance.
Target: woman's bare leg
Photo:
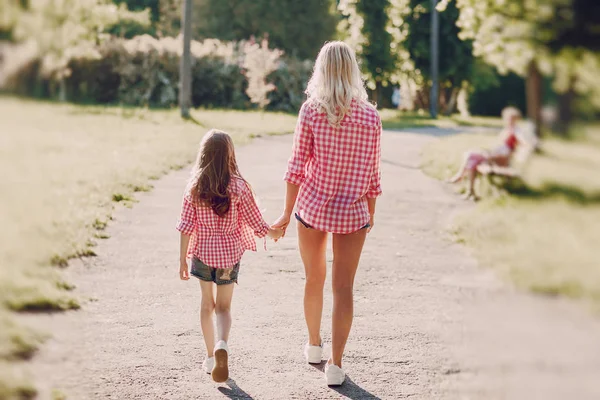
(207, 309)
(346, 255)
(471, 175)
(461, 171)
(312, 245)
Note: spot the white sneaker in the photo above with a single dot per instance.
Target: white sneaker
(313, 354)
(208, 364)
(220, 372)
(334, 375)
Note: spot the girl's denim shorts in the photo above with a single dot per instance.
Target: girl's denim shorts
(220, 276)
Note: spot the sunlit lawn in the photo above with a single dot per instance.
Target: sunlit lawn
(64, 167)
(394, 119)
(544, 235)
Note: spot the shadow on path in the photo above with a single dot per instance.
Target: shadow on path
(440, 132)
(349, 389)
(397, 164)
(233, 391)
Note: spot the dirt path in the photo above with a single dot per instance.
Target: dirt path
(430, 324)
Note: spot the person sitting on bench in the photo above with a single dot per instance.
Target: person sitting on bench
(499, 156)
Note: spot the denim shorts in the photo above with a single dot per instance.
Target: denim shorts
(303, 222)
(220, 276)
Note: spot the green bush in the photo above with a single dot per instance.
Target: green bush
(290, 81)
(144, 71)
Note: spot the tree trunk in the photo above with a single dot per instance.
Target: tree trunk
(534, 96)
(62, 90)
(451, 106)
(185, 72)
(565, 111)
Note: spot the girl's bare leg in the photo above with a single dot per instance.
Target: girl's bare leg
(207, 309)
(223, 310)
(346, 255)
(312, 244)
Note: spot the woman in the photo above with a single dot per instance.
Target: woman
(333, 179)
(500, 156)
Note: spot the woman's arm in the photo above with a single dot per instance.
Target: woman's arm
(374, 190)
(302, 151)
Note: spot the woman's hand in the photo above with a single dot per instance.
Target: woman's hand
(282, 223)
(184, 273)
(371, 223)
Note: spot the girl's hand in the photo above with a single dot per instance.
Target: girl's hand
(184, 273)
(275, 233)
(282, 223)
(371, 223)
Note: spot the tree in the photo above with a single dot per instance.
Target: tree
(259, 62)
(185, 67)
(378, 60)
(533, 38)
(366, 28)
(63, 29)
(457, 64)
(298, 27)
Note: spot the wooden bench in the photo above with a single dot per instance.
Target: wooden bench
(497, 176)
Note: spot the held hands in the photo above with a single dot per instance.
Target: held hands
(275, 233)
(282, 223)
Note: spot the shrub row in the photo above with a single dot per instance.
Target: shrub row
(144, 71)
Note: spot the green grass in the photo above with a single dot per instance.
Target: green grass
(14, 384)
(394, 119)
(543, 234)
(65, 168)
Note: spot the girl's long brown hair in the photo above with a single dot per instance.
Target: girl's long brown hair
(212, 173)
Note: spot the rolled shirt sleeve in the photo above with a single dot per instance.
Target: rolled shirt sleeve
(302, 149)
(251, 214)
(188, 218)
(375, 181)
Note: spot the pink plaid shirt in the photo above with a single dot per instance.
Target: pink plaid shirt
(336, 168)
(221, 242)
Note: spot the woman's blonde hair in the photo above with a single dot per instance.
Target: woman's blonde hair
(335, 82)
(508, 113)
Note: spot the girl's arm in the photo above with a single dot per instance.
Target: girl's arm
(184, 242)
(187, 226)
(252, 216)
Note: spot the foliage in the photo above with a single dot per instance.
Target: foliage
(366, 29)
(297, 27)
(145, 71)
(491, 96)
(558, 35)
(378, 59)
(64, 29)
(352, 26)
(456, 56)
(290, 83)
(259, 62)
(10, 10)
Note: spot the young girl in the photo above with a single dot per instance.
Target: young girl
(219, 219)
